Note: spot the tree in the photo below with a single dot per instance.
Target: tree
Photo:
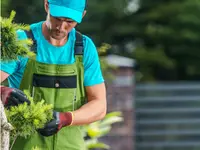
(27, 11)
(168, 30)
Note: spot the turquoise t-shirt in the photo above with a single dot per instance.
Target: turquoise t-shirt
(47, 53)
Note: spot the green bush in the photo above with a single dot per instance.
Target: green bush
(11, 48)
(99, 129)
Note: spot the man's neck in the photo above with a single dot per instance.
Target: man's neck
(51, 40)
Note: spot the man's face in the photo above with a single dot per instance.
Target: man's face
(59, 27)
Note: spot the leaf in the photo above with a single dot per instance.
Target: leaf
(35, 148)
(115, 113)
(99, 145)
(111, 120)
(94, 131)
(93, 143)
(104, 131)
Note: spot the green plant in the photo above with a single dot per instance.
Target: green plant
(11, 48)
(102, 50)
(36, 148)
(100, 128)
(26, 119)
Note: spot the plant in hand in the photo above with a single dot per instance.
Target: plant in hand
(26, 119)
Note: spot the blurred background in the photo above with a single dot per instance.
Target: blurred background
(151, 64)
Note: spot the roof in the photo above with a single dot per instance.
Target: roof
(120, 61)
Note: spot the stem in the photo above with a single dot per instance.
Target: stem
(13, 141)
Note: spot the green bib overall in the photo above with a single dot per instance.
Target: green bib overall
(62, 86)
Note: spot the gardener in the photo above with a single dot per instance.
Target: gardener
(64, 72)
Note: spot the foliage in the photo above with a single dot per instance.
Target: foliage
(103, 21)
(26, 119)
(10, 46)
(170, 28)
(28, 11)
(36, 148)
(102, 50)
(101, 128)
(149, 58)
(5, 6)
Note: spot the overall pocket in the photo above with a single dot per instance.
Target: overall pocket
(57, 90)
(54, 70)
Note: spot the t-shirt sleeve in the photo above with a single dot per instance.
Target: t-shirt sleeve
(92, 69)
(9, 66)
(21, 35)
(12, 66)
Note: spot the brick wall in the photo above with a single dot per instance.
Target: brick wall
(120, 98)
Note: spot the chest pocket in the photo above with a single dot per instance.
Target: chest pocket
(60, 91)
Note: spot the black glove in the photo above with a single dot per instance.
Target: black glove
(51, 127)
(12, 96)
(60, 119)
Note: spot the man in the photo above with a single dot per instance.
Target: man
(64, 72)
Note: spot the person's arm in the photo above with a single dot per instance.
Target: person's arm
(94, 110)
(10, 96)
(9, 67)
(4, 76)
(96, 107)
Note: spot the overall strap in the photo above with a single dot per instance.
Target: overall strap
(78, 43)
(78, 48)
(30, 35)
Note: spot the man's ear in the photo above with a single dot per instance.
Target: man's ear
(46, 6)
(84, 13)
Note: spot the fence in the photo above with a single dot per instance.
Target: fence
(167, 116)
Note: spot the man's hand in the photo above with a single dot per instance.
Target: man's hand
(12, 96)
(60, 120)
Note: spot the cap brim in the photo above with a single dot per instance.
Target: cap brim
(60, 11)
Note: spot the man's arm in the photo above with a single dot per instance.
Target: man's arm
(96, 107)
(4, 76)
(11, 96)
(94, 110)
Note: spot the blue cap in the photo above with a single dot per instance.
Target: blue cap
(72, 9)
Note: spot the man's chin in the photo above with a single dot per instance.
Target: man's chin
(58, 37)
